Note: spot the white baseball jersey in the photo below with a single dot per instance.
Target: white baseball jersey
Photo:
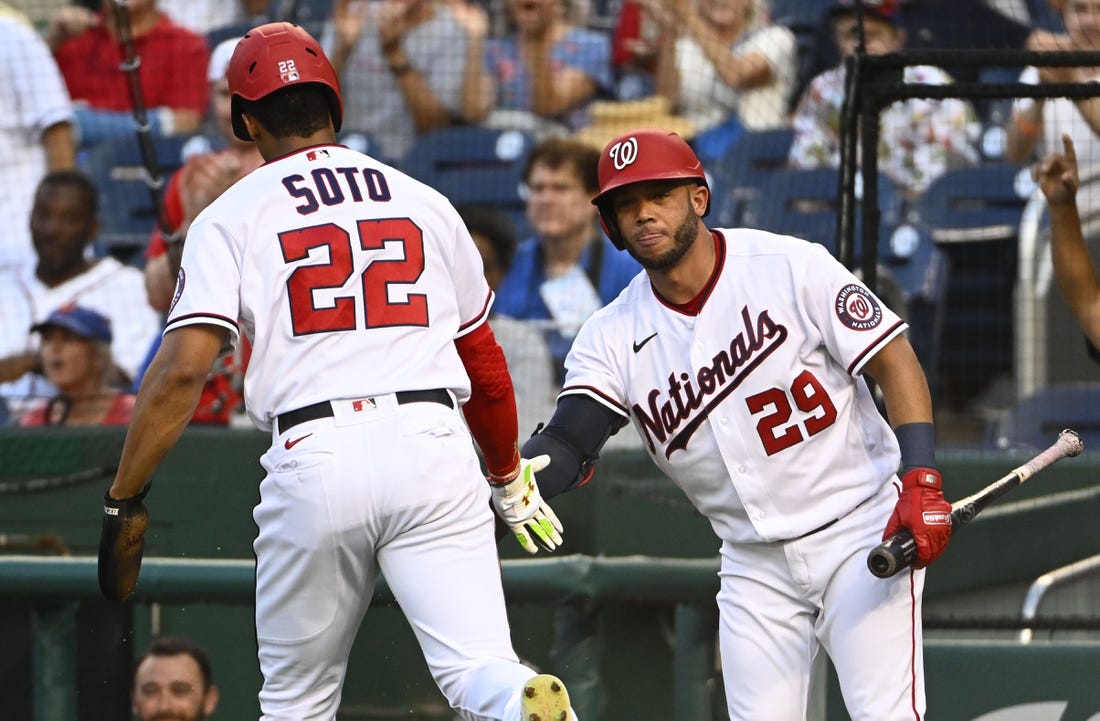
(750, 406)
(342, 296)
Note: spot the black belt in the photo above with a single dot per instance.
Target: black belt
(323, 409)
(823, 526)
(819, 529)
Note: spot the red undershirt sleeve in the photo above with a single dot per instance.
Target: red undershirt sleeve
(491, 410)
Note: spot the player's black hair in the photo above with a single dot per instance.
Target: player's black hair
(73, 179)
(179, 646)
(293, 111)
(556, 153)
(495, 227)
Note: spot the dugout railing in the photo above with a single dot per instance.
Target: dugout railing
(54, 584)
(956, 668)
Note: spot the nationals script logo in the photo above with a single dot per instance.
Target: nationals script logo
(689, 399)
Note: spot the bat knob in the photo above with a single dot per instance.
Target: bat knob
(892, 555)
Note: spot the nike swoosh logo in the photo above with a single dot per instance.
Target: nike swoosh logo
(638, 344)
(291, 443)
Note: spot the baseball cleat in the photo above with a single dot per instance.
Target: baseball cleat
(545, 699)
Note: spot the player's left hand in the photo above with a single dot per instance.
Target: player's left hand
(519, 504)
(121, 544)
(925, 512)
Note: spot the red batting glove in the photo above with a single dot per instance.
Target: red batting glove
(924, 511)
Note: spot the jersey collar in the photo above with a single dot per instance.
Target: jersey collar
(693, 306)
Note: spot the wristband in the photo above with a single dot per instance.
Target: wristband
(918, 445)
(399, 70)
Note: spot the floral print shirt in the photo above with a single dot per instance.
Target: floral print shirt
(919, 138)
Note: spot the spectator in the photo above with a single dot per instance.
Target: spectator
(63, 223)
(635, 42)
(401, 68)
(86, 45)
(722, 61)
(524, 346)
(36, 135)
(951, 25)
(1076, 274)
(209, 16)
(173, 680)
(203, 178)
(568, 269)
(76, 359)
(542, 75)
(919, 139)
(1037, 125)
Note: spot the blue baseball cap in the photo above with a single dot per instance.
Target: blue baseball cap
(84, 322)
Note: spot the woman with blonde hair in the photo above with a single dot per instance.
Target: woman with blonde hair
(76, 358)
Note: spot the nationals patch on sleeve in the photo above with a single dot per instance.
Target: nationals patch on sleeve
(857, 308)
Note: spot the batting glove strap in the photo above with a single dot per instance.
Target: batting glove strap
(923, 510)
(520, 506)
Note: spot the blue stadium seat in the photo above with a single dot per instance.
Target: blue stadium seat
(474, 166)
(126, 212)
(805, 201)
(1035, 421)
(973, 215)
(737, 175)
(912, 271)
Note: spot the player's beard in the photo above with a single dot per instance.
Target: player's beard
(682, 240)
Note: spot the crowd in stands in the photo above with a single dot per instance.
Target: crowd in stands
(554, 69)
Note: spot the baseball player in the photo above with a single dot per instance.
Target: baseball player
(738, 356)
(365, 303)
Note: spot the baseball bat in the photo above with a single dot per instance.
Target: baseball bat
(898, 551)
(130, 67)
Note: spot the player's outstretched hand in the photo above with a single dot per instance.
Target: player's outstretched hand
(925, 512)
(121, 544)
(520, 505)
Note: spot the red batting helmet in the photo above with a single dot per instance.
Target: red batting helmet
(274, 56)
(638, 156)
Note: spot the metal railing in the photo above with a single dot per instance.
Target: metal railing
(1047, 582)
(55, 584)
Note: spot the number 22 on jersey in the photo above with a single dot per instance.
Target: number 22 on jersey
(378, 310)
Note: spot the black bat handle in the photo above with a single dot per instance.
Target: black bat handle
(893, 554)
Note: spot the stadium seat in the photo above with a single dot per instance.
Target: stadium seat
(912, 272)
(974, 215)
(1035, 421)
(804, 202)
(737, 175)
(126, 211)
(474, 166)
